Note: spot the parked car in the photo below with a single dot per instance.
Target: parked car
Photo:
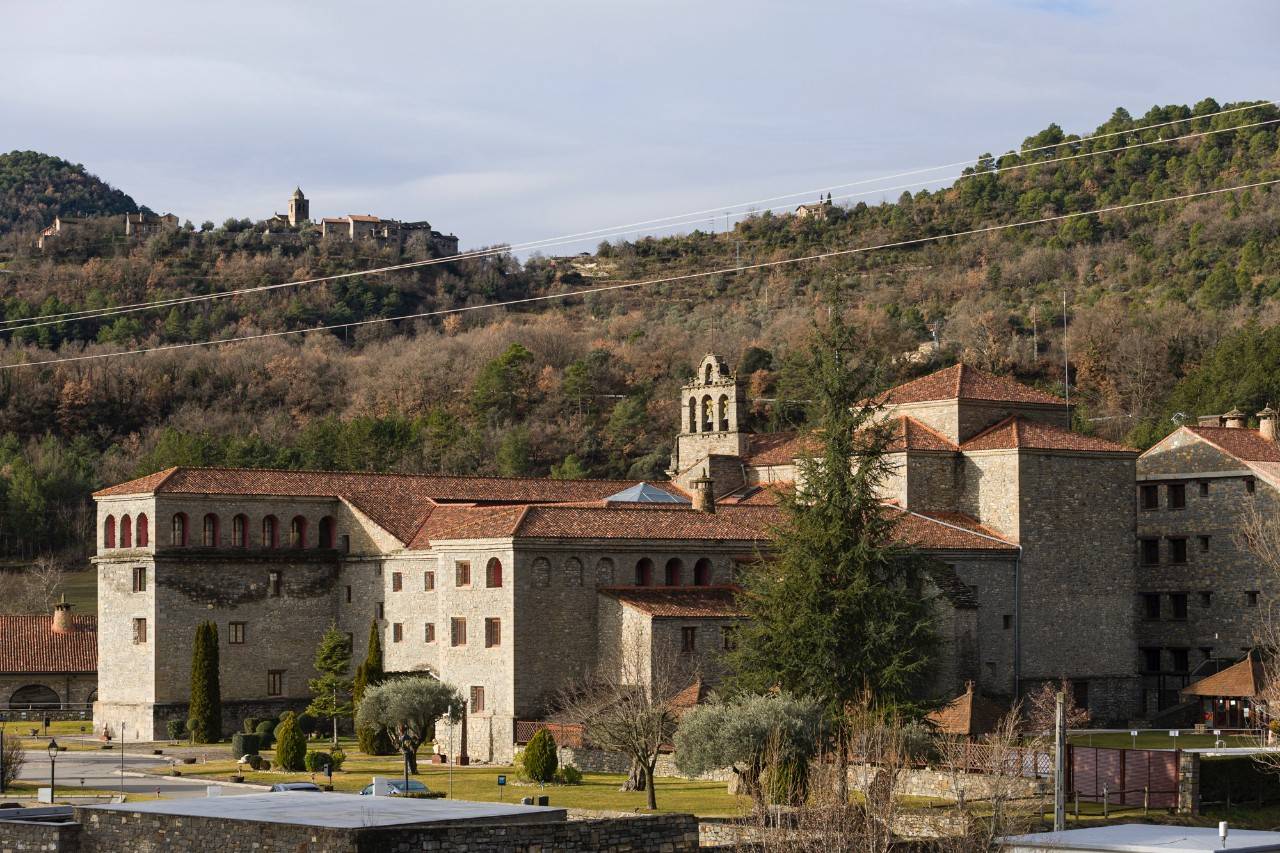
(398, 788)
(296, 786)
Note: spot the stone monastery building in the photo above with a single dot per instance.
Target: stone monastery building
(509, 588)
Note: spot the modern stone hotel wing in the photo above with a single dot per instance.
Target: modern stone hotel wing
(508, 588)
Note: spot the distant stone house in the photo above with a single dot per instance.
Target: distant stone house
(48, 661)
(61, 224)
(145, 224)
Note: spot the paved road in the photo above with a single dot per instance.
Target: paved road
(101, 771)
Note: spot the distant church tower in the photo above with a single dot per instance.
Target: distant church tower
(712, 405)
(299, 208)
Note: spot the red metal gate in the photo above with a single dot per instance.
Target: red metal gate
(1125, 777)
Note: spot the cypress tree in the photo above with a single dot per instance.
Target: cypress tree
(291, 744)
(206, 691)
(373, 740)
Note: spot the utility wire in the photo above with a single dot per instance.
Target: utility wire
(635, 284)
(18, 324)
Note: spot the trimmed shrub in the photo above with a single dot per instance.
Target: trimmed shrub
(374, 740)
(338, 757)
(316, 761)
(243, 744)
(422, 795)
(266, 734)
(175, 729)
(250, 725)
(192, 726)
(307, 723)
(291, 746)
(539, 757)
(569, 775)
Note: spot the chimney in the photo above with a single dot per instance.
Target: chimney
(1267, 423)
(704, 497)
(62, 617)
(1233, 419)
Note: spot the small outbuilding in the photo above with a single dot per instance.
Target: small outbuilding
(1229, 699)
(969, 715)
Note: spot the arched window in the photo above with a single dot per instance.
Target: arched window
(493, 573)
(693, 414)
(541, 572)
(270, 532)
(211, 530)
(109, 532)
(724, 413)
(644, 572)
(573, 572)
(178, 532)
(707, 414)
(34, 697)
(240, 531)
(702, 572)
(298, 532)
(675, 568)
(706, 374)
(143, 530)
(604, 572)
(126, 532)
(326, 532)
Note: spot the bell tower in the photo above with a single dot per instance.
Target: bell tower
(299, 208)
(711, 408)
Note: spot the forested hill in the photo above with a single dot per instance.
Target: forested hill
(35, 187)
(1171, 312)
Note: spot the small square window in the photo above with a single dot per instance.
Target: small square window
(139, 631)
(348, 595)
(1151, 660)
(1149, 497)
(1178, 600)
(1007, 620)
(457, 631)
(345, 541)
(1150, 552)
(1206, 598)
(1177, 496)
(492, 632)
(1249, 485)
(1204, 488)
(688, 640)
(275, 682)
(273, 584)
(397, 581)
(1151, 605)
(1204, 542)
(378, 610)
(429, 633)
(462, 573)
(235, 633)
(1180, 659)
(397, 632)
(1251, 598)
(140, 579)
(1177, 550)
(428, 581)
(477, 700)
(729, 637)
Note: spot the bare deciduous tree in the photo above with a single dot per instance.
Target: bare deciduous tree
(32, 589)
(1042, 708)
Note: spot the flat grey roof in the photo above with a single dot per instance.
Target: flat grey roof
(1147, 838)
(341, 811)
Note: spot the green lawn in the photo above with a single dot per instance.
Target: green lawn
(1159, 739)
(81, 589)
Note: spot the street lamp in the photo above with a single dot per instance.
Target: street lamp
(52, 749)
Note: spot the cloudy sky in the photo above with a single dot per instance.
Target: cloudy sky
(519, 121)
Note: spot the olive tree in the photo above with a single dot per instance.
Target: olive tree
(749, 734)
(408, 708)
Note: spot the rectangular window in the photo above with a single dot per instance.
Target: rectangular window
(428, 581)
(1177, 549)
(346, 543)
(688, 640)
(1151, 605)
(1204, 488)
(275, 682)
(1180, 659)
(1249, 485)
(378, 610)
(429, 633)
(1149, 497)
(492, 632)
(462, 573)
(457, 631)
(1150, 660)
(139, 631)
(397, 581)
(729, 637)
(1179, 602)
(1007, 619)
(477, 700)
(273, 584)
(1206, 598)
(1150, 553)
(397, 632)
(1204, 542)
(348, 595)
(1177, 496)
(139, 578)
(235, 633)
(1251, 598)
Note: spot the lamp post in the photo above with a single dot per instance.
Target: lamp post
(52, 749)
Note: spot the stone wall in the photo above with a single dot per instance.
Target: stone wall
(944, 785)
(73, 688)
(18, 836)
(648, 834)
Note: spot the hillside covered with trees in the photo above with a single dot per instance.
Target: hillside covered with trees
(35, 187)
(1171, 309)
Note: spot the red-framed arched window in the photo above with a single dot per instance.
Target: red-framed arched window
(702, 572)
(644, 572)
(240, 531)
(178, 532)
(210, 531)
(674, 573)
(143, 529)
(298, 532)
(326, 531)
(126, 531)
(493, 573)
(270, 532)
(109, 532)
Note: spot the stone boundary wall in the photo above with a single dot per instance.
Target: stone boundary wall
(17, 836)
(907, 825)
(940, 784)
(674, 833)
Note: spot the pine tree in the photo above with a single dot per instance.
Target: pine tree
(206, 692)
(291, 744)
(842, 614)
(373, 740)
(331, 692)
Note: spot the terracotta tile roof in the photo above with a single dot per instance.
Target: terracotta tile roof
(686, 602)
(775, 448)
(30, 645)
(1243, 679)
(362, 217)
(962, 382)
(691, 697)
(1018, 432)
(958, 593)
(968, 715)
(944, 531)
(760, 495)
(1247, 445)
(910, 434)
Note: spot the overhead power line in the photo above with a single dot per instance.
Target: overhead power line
(649, 282)
(19, 324)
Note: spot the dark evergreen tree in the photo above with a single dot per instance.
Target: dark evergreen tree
(206, 691)
(291, 744)
(373, 740)
(331, 692)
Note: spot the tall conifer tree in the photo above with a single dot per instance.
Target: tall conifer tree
(373, 740)
(206, 691)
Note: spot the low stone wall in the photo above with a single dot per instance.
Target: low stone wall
(907, 825)
(942, 785)
(647, 834)
(26, 837)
